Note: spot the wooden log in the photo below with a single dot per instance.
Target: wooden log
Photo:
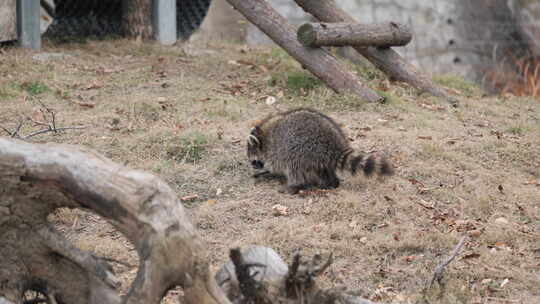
(318, 61)
(355, 34)
(37, 178)
(386, 59)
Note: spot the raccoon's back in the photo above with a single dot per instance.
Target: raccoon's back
(307, 137)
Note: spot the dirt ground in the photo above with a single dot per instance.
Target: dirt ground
(184, 112)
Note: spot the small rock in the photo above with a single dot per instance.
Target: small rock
(270, 100)
(486, 281)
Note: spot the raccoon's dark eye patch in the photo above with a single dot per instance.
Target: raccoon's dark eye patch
(257, 164)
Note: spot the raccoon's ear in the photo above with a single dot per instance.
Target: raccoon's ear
(253, 139)
(256, 131)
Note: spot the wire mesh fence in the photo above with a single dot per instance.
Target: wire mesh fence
(100, 18)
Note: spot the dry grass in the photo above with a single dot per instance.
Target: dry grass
(517, 76)
(183, 113)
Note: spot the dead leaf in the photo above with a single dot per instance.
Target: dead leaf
(280, 210)
(431, 107)
(93, 85)
(475, 233)
(452, 141)
(410, 258)
(471, 256)
(189, 197)
(532, 182)
(85, 104)
(501, 221)
(425, 137)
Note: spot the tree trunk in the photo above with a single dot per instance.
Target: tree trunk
(345, 34)
(38, 178)
(137, 19)
(387, 60)
(318, 61)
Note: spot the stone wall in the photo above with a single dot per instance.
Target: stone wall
(8, 26)
(461, 37)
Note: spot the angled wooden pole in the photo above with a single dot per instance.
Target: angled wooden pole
(317, 60)
(386, 59)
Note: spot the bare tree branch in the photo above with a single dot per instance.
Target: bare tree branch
(438, 274)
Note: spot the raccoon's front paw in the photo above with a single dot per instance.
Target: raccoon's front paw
(261, 174)
(290, 189)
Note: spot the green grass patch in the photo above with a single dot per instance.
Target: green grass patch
(35, 87)
(295, 81)
(516, 130)
(458, 83)
(188, 148)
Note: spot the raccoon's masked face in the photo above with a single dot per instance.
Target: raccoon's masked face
(254, 148)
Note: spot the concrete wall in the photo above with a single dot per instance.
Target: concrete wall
(432, 33)
(462, 37)
(8, 25)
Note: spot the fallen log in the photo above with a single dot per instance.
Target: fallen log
(318, 61)
(385, 59)
(354, 34)
(38, 178)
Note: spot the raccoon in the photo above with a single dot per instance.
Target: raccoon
(307, 147)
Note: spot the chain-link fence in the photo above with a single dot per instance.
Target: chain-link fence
(103, 17)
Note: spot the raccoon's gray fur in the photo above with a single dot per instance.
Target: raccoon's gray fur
(307, 147)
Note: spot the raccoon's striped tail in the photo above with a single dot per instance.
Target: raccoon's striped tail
(369, 163)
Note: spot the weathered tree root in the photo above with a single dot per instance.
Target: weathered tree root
(272, 281)
(35, 179)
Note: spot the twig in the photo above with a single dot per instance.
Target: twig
(438, 274)
(15, 133)
(50, 126)
(50, 129)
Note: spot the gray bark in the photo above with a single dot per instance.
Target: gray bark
(280, 283)
(345, 34)
(137, 19)
(37, 178)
